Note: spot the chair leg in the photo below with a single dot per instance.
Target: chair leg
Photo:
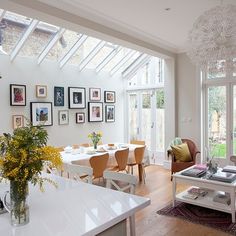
(132, 170)
(144, 175)
(132, 225)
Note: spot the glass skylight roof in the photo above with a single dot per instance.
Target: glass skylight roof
(23, 36)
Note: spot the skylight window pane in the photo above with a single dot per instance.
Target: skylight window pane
(116, 59)
(131, 60)
(84, 50)
(39, 39)
(63, 45)
(104, 52)
(13, 27)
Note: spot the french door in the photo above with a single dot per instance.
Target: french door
(146, 120)
(221, 121)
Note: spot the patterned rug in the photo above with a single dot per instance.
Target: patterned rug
(200, 215)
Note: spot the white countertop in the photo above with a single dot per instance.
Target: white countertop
(73, 209)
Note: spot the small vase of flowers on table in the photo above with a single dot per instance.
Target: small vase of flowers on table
(23, 156)
(95, 137)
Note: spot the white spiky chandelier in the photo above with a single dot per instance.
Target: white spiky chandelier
(212, 39)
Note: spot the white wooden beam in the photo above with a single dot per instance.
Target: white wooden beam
(122, 62)
(73, 50)
(141, 60)
(50, 45)
(2, 14)
(109, 57)
(91, 55)
(23, 39)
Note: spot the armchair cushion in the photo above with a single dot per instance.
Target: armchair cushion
(181, 153)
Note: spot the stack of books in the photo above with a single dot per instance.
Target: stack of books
(223, 177)
(194, 193)
(231, 169)
(194, 172)
(222, 197)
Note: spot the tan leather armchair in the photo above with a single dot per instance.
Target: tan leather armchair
(178, 166)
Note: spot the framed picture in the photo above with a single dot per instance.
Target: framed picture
(77, 97)
(95, 94)
(17, 95)
(110, 113)
(80, 117)
(41, 91)
(110, 96)
(63, 117)
(17, 121)
(59, 96)
(95, 111)
(41, 113)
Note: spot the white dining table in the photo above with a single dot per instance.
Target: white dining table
(74, 209)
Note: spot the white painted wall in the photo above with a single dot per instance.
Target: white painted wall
(188, 99)
(26, 71)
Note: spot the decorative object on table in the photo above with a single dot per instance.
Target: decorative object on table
(41, 91)
(76, 98)
(110, 113)
(223, 176)
(222, 197)
(109, 96)
(41, 113)
(63, 117)
(17, 95)
(200, 215)
(212, 39)
(58, 96)
(23, 156)
(17, 121)
(80, 117)
(95, 111)
(94, 94)
(212, 166)
(95, 137)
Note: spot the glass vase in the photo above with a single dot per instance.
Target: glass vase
(95, 145)
(19, 206)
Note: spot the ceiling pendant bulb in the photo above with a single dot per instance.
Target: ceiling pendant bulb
(213, 37)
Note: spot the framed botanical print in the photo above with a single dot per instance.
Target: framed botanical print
(95, 111)
(17, 95)
(41, 113)
(110, 113)
(109, 96)
(63, 117)
(58, 96)
(77, 98)
(17, 121)
(80, 117)
(41, 91)
(94, 94)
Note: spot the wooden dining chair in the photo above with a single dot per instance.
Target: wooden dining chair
(84, 145)
(117, 180)
(138, 155)
(99, 164)
(75, 146)
(78, 172)
(138, 142)
(121, 157)
(60, 149)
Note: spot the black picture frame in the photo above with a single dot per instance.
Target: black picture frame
(76, 98)
(110, 113)
(109, 96)
(17, 95)
(80, 117)
(41, 113)
(59, 96)
(95, 111)
(94, 94)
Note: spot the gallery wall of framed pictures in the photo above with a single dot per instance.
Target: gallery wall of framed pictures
(41, 112)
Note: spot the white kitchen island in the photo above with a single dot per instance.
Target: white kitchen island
(73, 209)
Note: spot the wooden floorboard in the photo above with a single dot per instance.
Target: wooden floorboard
(158, 188)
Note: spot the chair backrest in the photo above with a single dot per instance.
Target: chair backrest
(75, 146)
(60, 149)
(122, 158)
(99, 164)
(78, 172)
(191, 146)
(139, 154)
(129, 180)
(138, 142)
(84, 145)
